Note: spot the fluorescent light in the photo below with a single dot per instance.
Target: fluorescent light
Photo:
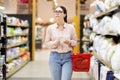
(51, 19)
(2, 8)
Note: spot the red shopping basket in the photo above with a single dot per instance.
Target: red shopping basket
(81, 62)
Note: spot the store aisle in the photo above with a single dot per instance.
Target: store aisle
(39, 69)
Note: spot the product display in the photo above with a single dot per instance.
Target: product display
(23, 30)
(2, 45)
(105, 37)
(15, 45)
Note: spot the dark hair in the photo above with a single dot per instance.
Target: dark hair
(65, 12)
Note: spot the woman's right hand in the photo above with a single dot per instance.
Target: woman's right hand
(57, 41)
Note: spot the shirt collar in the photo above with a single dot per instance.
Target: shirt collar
(63, 26)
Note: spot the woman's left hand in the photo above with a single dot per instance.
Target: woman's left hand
(67, 42)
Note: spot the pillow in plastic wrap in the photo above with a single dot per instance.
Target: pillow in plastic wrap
(117, 75)
(104, 49)
(105, 20)
(99, 5)
(105, 23)
(111, 3)
(115, 25)
(97, 43)
(93, 22)
(87, 23)
(115, 3)
(95, 71)
(107, 4)
(100, 41)
(96, 28)
(115, 60)
(92, 36)
(110, 52)
(103, 72)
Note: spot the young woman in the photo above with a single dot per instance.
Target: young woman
(60, 38)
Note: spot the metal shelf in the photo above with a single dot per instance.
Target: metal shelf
(17, 44)
(108, 12)
(17, 69)
(11, 25)
(16, 56)
(17, 35)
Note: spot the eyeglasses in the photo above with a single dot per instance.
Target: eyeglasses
(58, 11)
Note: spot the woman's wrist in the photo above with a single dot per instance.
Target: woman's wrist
(57, 43)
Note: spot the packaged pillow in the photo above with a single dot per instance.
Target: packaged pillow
(110, 53)
(92, 36)
(100, 5)
(107, 4)
(111, 3)
(115, 25)
(115, 60)
(115, 3)
(117, 75)
(100, 42)
(18, 30)
(93, 22)
(105, 24)
(117, 17)
(103, 72)
(96, 43)
(104, 49)
(95, 71)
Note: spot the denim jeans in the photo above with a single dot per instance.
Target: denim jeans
(60, 65)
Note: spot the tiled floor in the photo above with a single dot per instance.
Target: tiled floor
(39, 69)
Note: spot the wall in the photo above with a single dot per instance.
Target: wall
(70, 5)
(45, 8)
(93, 9)
(85, 7)
(10, 6)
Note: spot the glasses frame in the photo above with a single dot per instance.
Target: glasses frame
(58, 11)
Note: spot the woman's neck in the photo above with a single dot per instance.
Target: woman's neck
(60, 23)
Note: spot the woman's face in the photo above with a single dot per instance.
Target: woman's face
(59, 14)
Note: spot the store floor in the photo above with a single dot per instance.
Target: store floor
(39, 69)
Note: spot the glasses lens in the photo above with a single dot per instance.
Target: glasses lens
(58, 11)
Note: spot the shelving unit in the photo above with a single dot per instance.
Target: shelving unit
(15, 47)
(2, 46)
(18, 68)
(100, 59)
(110, 12)
(17, 35)
(18, 44)
(103, 62)
(31, 31)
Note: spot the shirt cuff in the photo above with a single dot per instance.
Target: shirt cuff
(73, 42)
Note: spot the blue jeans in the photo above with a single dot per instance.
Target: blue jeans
(60, 65)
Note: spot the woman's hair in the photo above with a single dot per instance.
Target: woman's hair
(65, 12)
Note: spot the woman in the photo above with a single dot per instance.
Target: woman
(60, 38)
